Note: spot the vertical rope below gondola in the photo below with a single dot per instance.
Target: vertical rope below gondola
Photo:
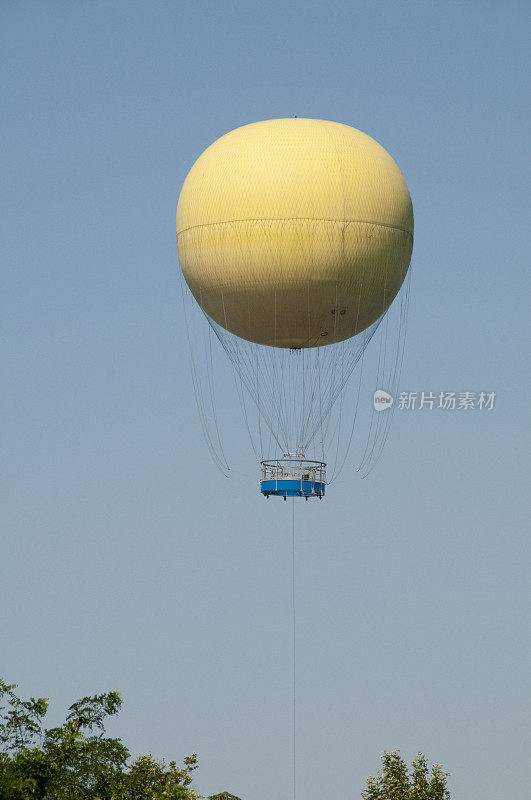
(294, 645)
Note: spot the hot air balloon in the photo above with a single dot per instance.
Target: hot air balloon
(294, 237)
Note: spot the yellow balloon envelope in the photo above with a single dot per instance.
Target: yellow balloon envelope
(295, 232)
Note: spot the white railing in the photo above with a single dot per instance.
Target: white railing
(293, 469)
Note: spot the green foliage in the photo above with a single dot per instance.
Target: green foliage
(21, 719)
(396, 782)
(148, 778)
(85, 765)
(223, 796)
(77, 760)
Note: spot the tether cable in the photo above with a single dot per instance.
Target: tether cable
(294, 642)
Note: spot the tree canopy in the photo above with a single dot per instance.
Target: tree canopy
(77, 759)
(396, 782)
(223, 796)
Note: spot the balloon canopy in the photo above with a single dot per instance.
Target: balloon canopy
(295, 233)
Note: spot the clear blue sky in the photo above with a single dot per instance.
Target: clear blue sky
(126, 560)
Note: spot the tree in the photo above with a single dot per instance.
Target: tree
(76, 759)
(223, 796)
(21, 719)
(150, 778)
(395, 782)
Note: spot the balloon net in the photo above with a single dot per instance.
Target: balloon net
(314, 401)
